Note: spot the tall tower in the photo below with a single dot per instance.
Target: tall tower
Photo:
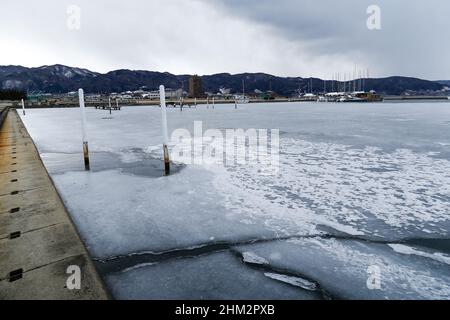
(195, 87)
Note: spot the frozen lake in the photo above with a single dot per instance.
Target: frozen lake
(359, 209)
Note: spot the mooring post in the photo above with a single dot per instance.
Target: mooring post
(117, 104)
(162, 96)
(110, 105)
(207, 103)
(83, 128)
(23, 107)
(195, 102)
(214, 104)
(235, 104)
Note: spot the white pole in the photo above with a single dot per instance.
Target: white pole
(23, 107)
(162, 96)
(83, 128)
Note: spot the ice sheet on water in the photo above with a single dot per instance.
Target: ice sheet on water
(341, 267)
(367, 191)
(251, 257)
(295, 281)
(59, 130)
(119, 214)
(216, 276)
(404, 249)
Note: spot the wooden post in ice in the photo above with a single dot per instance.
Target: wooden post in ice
(235, 104)
(214, 103)
(83, 128)
(162, 96)
(195, 102)
(23, 107)
(110, 108)
(117, 104)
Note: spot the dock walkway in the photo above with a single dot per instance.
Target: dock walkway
(38, 241)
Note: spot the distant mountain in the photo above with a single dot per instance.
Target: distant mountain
(5, 70)
(399, 85)
(257, 81)
(52, 79)
(444, 82)
(62, 79)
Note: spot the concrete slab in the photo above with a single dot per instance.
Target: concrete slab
(19, 157)
(38, 248)
(9, 148)
(8, 168)
(52, 284)
(14, 183)
(36, 196)
(34, 212)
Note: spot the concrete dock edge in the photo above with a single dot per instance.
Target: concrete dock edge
(42, 256)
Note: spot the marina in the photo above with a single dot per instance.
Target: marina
(224, 159)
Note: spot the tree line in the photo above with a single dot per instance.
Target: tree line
(12, 94)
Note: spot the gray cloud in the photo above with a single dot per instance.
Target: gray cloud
(285, 37)
(412, 40)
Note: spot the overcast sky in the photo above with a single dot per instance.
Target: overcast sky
(282, 37)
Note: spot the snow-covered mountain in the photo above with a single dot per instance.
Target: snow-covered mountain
(61, 79)
(68, 72)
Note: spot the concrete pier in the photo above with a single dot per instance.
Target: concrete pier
(38, 241)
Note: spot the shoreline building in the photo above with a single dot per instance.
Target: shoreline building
(195, 87)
